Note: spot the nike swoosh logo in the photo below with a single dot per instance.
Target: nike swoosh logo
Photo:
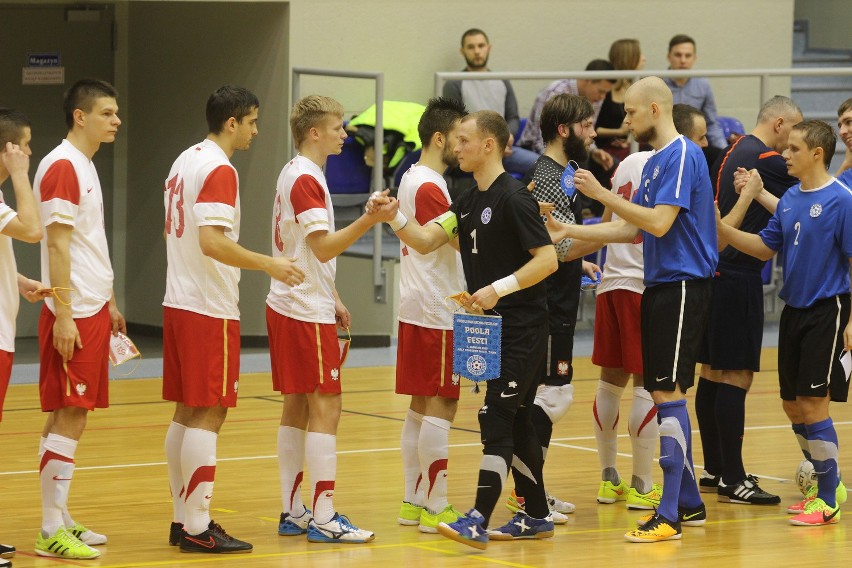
(813, 386)
(692, 516)
(463, 215)
(504, 395)
(787, 209)
(661, 379)
(89, 190)
(826, 518)
(208, 497)
(209, 543)
(57, 478)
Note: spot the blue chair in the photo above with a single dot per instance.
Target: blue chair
(407, 161)
(522, 124)
(348, 172)
(730, 125)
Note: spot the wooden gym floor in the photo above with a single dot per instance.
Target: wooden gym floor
(120, 485)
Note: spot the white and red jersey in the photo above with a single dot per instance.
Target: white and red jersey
(427, 280)
(625, 264)
(67, 187)
(202, 190)
(9, 300)
(302, 206)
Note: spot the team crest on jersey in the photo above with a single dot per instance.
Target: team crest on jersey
(335, 374)
(80, 388)
(562, 368)
(236, 386)
(816, 210)
(486, 215)
(455, 379)
(656, 172)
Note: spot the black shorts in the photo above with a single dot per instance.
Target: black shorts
(563, 300)
(810, 341)
(735, 329)
(674, 317)
(523, 350)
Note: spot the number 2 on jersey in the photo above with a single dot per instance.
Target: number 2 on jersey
(175, 187)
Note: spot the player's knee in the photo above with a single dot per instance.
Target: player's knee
(555, 401)
(495, 427)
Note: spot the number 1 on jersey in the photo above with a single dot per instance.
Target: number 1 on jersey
(473, 236)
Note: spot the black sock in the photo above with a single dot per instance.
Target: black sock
(528, 477)
(705, 411)
(730, 417)
(488, 492)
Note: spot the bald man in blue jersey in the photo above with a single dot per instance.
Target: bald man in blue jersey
(673, 207)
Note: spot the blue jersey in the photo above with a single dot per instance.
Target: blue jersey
(846, 178)
(813, 231)
(677, 175)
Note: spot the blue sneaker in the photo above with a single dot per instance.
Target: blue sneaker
(468, 530)
(522, 526)
(338, 529)
(294, 526)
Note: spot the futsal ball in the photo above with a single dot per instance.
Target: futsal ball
(805, 476)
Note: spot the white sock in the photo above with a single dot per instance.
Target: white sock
(410, 460)
(434, 452)
(174, 443)
(198, 464)
(321, 455)
(55, 472)
(291, 468)
(644, 436)
(605, 421)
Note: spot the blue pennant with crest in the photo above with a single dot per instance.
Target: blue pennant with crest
(476, 346)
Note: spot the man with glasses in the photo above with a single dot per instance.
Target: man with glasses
(74, 335)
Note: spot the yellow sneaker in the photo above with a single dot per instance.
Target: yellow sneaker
(655, 530)
(409, 514)
(610, 493)
(514, 503)
(63, 545)
(644, 501)
(429, 522)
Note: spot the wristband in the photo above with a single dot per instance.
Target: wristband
(449, 222)
(398, 222)
(506, 285)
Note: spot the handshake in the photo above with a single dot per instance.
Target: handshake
(384, 208)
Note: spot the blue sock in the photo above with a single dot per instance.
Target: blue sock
(673, 450)
(822, 440)
(801, 433)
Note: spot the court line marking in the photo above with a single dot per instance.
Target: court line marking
(554, 442)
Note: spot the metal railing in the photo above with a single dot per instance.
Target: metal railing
(379, 276)
(763, 74)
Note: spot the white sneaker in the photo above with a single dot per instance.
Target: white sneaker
(557, 518)
(87, 536)
(559, 506)
(338, 529)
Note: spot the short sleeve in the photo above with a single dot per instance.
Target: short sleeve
(60, 194)
(217, 199)
(772, 235)
(307, 197)
(429, 202)
(524, 216)
(6, 214)
(679, 178)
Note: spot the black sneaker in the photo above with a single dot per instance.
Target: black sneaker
(708, 483)
(174, 534)
(7, 551)
(746, 492)
(213, 541)
(687, 517)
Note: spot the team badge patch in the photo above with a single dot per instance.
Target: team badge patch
(816, 210)
(486, 215)
(80, 388)
(455, 378)
(335, 374)
(236, 386)
(562, 368)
